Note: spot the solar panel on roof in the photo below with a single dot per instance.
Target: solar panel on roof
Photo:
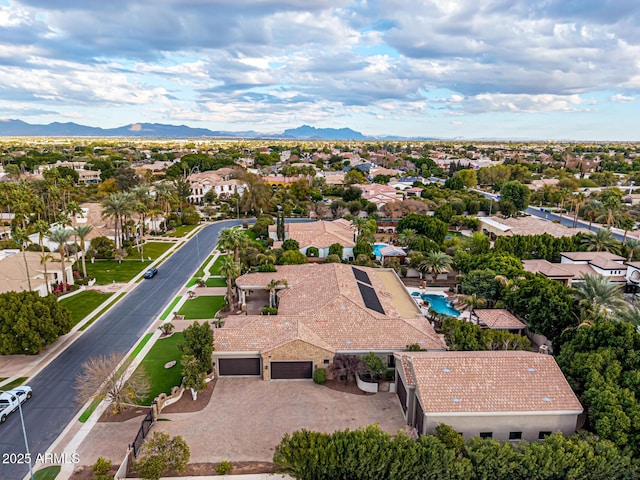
(361, 275)
(370, 298)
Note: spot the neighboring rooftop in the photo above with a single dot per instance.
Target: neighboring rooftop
(320, 233)
(498, 319)
(530, 225)
(489, 382)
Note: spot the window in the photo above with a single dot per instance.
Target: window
(515, 435)
(486, 434)
(543, 435)
(391, 361)
(326, 361)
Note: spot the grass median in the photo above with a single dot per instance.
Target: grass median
(109, 271)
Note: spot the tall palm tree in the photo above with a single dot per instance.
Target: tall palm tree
(231, 239)
(578, 200)
(626, 223)
(22, 237)
(61, 237)
(81, 231)
(42, 228)
(599, 296)
(272, 286)
(592, 210)
(601, 240)
(45, 258)
(166, 196)
(631, 315)
(633, 247)
(231, 270)
(117, 206)
(436, 263)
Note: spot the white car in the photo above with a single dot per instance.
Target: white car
(23, 393)
(10, 400)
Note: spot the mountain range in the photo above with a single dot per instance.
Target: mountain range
(18, 128)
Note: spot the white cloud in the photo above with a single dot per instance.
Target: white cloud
(619, 98)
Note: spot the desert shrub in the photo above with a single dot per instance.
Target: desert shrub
(224, 467)
(320, 376)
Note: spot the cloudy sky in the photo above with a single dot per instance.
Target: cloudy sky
(539, 69)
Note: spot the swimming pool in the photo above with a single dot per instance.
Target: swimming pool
(377, 247)
(439, 303)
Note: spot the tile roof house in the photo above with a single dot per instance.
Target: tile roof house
(498, 319)
(507, 395)
(13, 272)
(574, 265)
(323, 310)
(217, 180)
(529, 225)
(321, 234)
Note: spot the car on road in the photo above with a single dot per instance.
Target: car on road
(10, 400)
(23, 393)
(152, 272)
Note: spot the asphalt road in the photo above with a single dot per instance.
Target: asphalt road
(53, 405)
(551, 217)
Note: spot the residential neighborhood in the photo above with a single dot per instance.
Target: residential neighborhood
(229, 298)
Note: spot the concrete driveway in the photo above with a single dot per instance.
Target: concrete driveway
(247, 418)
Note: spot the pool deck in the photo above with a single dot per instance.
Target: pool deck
(444, 292)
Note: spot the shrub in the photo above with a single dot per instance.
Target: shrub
(166, 328)
(266, 310)
(224, 467)
(101, 467)
(313, 252)
(320, 376)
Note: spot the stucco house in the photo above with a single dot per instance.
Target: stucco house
(320, 234)
(574, 265)
(507, 395)
(13, 271)
(324, 309)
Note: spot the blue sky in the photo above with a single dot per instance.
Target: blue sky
(534, 69)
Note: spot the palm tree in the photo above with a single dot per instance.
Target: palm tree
(599, 296)
(272, 286)
(601, 240)
(407, 236)
(436, 263)
(592, 209)
(61, 237)
(232, 239)
(22, 237)
(165, 197)
(81, 231)
(578, 200)
(633, 246)
(473, 301)
(44, 259)
(42, 228)
(231, 270)
(626, 223)
(117, 206)
(631, 315)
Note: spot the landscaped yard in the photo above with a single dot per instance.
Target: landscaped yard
(181, 231)
(47, 473)
(163, 379)
(108, 271)
(216, 282)
(82, 304)
(215, 269)
(201, 307)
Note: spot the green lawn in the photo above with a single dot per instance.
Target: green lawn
(16, 383)
(181, 231)
(216, 282)
(47, 473)
(202, 307)
(215, 269)
(83, 304)
(173, 303)
(108, 271)
(163, 379)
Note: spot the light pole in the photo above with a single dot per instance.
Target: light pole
(24, 432)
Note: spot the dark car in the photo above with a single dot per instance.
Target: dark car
(152, 272)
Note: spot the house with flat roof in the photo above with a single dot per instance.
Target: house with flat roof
(507, 395)
(323, 310)
(320, 234)
(574, 265)
(526, 225)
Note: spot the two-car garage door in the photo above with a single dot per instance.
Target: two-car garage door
(291, 370)
(252, 367)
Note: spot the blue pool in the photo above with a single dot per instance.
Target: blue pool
(439, 303)
(377, 247)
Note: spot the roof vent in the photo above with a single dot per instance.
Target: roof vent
(266, 323)
(446, 370)
(286, 323)
(546, 399)
(531, 369)
(457, 400)
(348, 342)
(421, 342)
(343, 308)
(254, 343)
(224, 344)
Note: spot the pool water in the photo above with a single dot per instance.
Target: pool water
(439, 303)
(377, 247)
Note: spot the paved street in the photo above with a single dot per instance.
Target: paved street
(53, 406)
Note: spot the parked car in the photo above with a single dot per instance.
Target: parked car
(152, 272)
(10, 401)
